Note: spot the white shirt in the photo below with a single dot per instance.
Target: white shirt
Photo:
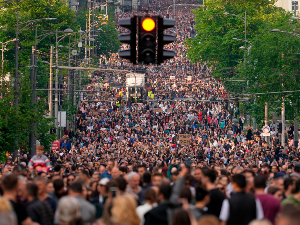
(142, 210)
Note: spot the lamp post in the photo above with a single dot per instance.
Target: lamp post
(16, 87)
(68, 33)
(296, 138)
(245, 22)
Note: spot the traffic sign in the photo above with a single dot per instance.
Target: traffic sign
(55, 145)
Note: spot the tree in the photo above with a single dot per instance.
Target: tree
(16, 122)
(107, 40)
(215, 32)
(258, 68)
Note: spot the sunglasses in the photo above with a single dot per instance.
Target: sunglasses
(70, 179)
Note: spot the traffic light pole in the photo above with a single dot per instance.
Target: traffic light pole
(32, 139)
(50, 83)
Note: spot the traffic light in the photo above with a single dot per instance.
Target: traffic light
(147, 40)
(129, 23)
(164, 39)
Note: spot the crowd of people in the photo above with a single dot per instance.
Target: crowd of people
(187, 156)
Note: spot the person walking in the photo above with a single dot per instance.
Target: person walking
(242, 207)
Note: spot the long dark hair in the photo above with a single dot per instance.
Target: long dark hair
(181, 217)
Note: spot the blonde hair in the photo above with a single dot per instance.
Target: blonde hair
(208, 220)
(124, 211)
(68, 209)
(260, 222)
(7, 214)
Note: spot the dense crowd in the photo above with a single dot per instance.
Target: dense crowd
(187, 156)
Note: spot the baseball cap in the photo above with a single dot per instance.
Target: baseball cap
(104, 181)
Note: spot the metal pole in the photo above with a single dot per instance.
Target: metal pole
(266, 120)
(2, 66)
(296, 136)
(56, 84)
(283, 123)
(32, 140)
(135, 86)
(173, 7)
(17, 64)
(79, 93)
(89, 32)
(245, 34)
(50, 84)
(61, 96)
(266, 113)
(69, 76)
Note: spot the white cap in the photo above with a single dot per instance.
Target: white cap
(104, 181)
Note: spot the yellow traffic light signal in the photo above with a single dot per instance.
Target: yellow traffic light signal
(148, 24)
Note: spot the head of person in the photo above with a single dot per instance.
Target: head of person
(209, 176)
(49, 187)
(197, 174)
(164, 192)
(279, 182)
(180, 217)
(239, 182)
(259, 182)
(68, 211)
(208, 220)
(58, 185)
(31, 191)
(134, 180)
(122, 183)
(10, 183)
(260, 222)
(123, 210)
(7, 214)
(297, 167)
(84, 175)
(147, 177)
(289, 215)
(41, 183)
(276, 192)
(115, 172)
(289, 184)
(157, 179)
(141, 170)
(75, 189)
(40, 150)
(110, 165)
(150, 196)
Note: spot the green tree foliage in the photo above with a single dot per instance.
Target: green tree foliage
(15, 122)
(107, 40)
(271, 63)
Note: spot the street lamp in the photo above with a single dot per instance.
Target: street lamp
(245, 21)
(16, 86)
(67, 32)
(283, 110)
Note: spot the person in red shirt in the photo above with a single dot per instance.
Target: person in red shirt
(270, 204)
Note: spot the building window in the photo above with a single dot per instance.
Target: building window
(295, 6)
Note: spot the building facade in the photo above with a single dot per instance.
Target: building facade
(289, 5)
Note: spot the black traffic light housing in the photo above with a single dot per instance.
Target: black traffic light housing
(147, 35)
(129, 23)
(151, 39)
(164, 39)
